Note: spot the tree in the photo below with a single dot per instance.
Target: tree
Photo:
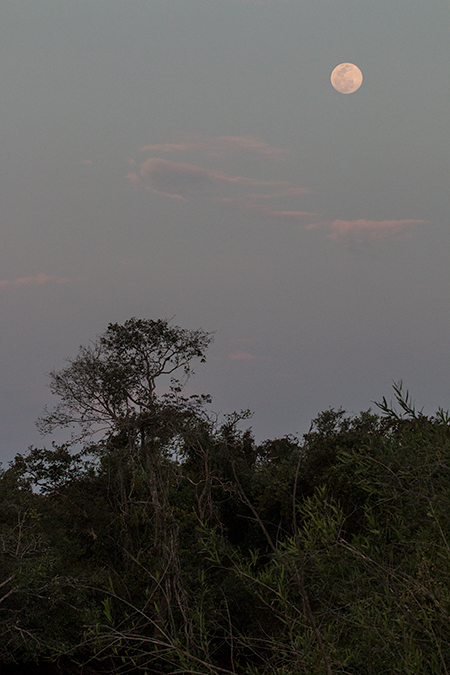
(110, 390)
(110, 386)
(355, 577)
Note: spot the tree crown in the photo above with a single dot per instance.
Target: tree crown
(113, 379)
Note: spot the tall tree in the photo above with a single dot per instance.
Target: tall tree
(109, 390)
(110, 386)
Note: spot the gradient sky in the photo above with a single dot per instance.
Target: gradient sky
(190, 159)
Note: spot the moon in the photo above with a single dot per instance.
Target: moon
(346, 78)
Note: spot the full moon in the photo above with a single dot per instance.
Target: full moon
(346, 78)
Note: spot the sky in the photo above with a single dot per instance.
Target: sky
(190, 159)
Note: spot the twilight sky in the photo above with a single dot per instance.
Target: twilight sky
(190, 159)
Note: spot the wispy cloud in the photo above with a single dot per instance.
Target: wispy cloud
(255, 204)
(365, 231)
(278, 200)
(175, 178)
(193, 169)
(133, 178)
(242, 356)
(35, 280)
(220, 145)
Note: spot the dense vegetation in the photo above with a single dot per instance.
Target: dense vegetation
(161, 540)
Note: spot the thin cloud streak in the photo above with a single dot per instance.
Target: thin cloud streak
(177, 179)
(36, 280)
(250, 204)
(174, 178)
(372, 230)
(221, 145)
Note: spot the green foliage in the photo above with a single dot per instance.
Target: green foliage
(177, 544)
(111, 383)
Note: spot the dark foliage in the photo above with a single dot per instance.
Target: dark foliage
(174, 544)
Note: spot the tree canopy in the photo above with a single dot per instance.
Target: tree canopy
(112, 381)
(327, 554)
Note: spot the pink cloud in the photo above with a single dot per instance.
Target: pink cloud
(38, 279)
(221, 145)
(174, 178)
(241, 356)
(133, 178)
(249, 204)
(371, 230)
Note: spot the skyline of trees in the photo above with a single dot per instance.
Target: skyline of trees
(159, 539)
